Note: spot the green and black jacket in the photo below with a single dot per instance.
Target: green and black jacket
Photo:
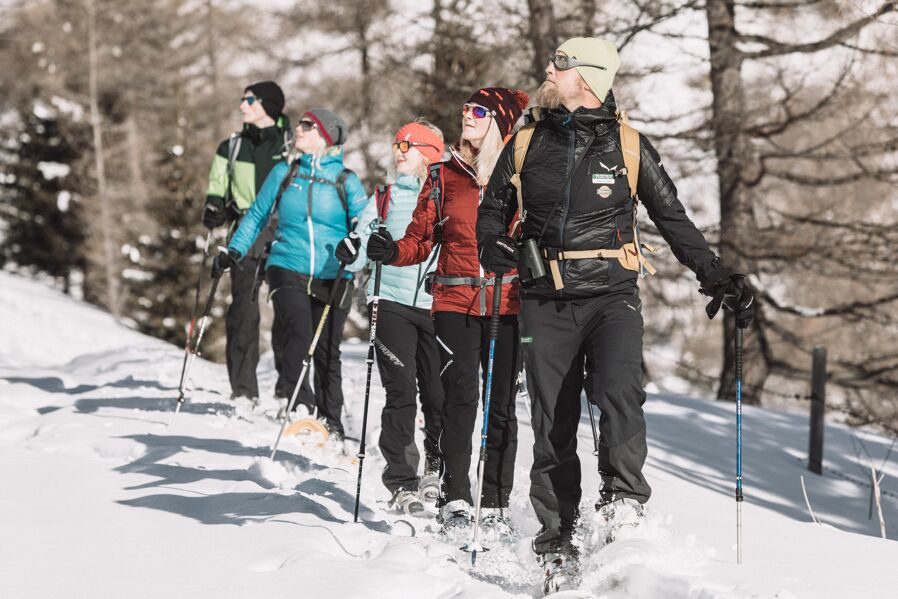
(259, 150)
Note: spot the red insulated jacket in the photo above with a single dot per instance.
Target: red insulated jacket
(460, 197)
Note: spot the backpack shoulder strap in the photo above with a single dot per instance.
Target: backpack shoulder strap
(521, 144)
(341, 192)
(382, 201)
(629, 143)
(234, 143)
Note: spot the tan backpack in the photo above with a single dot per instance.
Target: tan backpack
(630, 255)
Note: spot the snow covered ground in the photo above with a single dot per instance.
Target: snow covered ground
(100, 499)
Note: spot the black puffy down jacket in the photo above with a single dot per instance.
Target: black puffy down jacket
(594, 209)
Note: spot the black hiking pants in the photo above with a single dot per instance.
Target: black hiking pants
(409, 364)
(242, 330)
(296, 317)
(595, 345)
(464, 351)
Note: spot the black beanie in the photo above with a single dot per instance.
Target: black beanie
(271, 95)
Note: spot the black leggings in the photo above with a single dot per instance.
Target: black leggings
(464, 349)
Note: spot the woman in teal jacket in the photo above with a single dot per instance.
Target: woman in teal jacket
(409, 359)
(314, 213)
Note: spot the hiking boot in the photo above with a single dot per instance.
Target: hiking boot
(408, 502)
(612, 516)
(496, 523)
(455, 517)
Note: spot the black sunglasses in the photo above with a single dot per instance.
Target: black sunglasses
(563, 63)
(307, 125)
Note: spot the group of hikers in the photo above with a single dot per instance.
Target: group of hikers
(546, 216)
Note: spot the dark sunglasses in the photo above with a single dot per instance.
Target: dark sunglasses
(563, 63)
(477, 111)
(307, 125)
(249, 100)
(404, 146)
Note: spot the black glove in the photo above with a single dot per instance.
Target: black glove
(732, 292)
(223, 261)
(381, 247)
(348, 249)
(498, 254)
(214, 214)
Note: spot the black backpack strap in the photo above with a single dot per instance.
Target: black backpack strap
(344, 199)
(382, 201)
(436, 194)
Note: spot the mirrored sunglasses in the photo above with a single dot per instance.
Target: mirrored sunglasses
(249, 100)
(477, 111)
(563, 63)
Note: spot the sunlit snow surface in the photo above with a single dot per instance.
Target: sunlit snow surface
(101, 499)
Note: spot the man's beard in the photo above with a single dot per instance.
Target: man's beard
(547, 95)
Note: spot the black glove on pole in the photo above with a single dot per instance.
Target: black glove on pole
(214, 213)
(381, 247)
(348, 250)
(498, 254)
(224, 261)
(308, 361)
(372, 337)
(734, 294)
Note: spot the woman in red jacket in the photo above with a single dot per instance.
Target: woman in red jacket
(446, 214)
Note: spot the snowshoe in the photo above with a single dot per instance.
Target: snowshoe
(455, 518)
(408, 502)
(559, 573)
(612, 516)
(495, 523)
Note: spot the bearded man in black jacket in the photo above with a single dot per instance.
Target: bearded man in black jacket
(581, 325)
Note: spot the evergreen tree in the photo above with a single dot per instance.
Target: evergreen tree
(44, 216)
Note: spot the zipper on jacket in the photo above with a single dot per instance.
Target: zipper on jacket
(572, 160)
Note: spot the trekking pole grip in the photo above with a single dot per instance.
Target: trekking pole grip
(497, 305)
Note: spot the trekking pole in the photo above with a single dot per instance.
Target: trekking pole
(595, 434)
(308, 361)
(196, 347)
(738, 445)
(372, 337)
(196, 306)
(474, 546)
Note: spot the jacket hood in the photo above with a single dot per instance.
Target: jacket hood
(408, 182)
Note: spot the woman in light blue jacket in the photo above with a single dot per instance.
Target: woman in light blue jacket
(408, 356)
(314, 213)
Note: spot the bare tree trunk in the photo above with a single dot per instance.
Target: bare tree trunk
(543, 35)
(588, 10)
(140, 193)
(367, 108)
(212, 54)
(112, 282)
(736, 224)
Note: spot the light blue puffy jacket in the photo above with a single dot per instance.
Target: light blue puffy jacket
(310, 222)
(397, 283)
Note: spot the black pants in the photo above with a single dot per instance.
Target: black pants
(603, 337)
(409, 364)
(296, 317)
(242, 330)
(464, 348)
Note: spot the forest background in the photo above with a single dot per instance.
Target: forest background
(777, 120)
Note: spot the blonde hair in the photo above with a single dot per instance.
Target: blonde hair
(483, 159)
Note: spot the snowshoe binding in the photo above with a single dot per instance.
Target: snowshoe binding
(616, 515)
(496, 524)
(559, 573)
(455, 518)
(408, 503)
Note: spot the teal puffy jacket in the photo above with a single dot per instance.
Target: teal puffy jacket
(397, 283)
(311, 217)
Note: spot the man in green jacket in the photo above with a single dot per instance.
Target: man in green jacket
(239, 168)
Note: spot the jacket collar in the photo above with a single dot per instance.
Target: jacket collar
(586, 120)
(408, 182)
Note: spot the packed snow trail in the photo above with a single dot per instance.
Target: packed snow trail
(102, 500)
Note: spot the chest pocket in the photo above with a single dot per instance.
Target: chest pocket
(602, 184)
